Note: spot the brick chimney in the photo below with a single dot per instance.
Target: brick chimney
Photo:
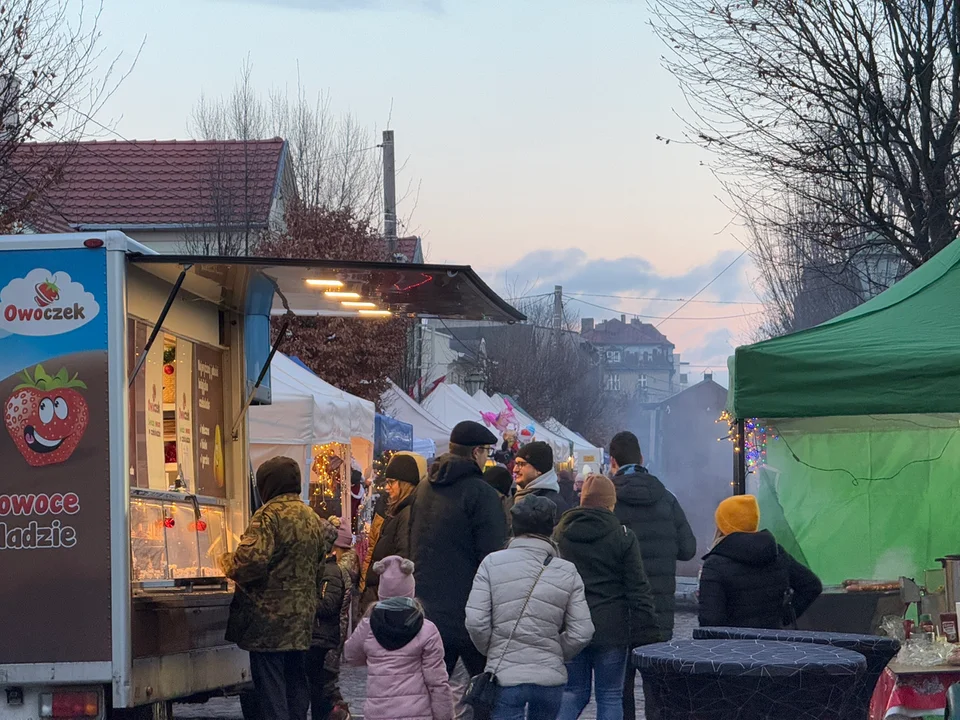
(635, 321)
(586, 325)
(623, 319)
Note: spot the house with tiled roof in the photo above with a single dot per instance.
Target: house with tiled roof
(213, 197)
(636, 359)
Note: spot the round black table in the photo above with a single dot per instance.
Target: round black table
(878, 651)
(748, 679)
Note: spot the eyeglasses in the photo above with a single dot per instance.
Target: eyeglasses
(391, 481)
(520, 464)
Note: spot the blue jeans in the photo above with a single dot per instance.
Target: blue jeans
(541, 702)
(605, 667)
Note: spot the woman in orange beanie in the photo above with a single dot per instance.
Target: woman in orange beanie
(748, 580)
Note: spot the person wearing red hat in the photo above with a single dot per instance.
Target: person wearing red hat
(748, 579)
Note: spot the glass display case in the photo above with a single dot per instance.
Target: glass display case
(147, 543)
(175, 537)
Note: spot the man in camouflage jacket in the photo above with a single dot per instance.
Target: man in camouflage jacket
(277, 570)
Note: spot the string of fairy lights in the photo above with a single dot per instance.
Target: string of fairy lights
(326, 470)
(756, 436)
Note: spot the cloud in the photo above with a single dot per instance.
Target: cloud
(572, 268)
(430, 6)
(704, 333)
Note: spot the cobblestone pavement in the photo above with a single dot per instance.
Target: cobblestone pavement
(353, 686)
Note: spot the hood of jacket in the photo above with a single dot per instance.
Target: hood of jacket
(638, 487)
(755, 549)
(547, 481)
(587, 525)
(453, 469)
(396, 622)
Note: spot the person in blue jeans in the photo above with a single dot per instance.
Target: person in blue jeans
(607, 556)
(527, 614)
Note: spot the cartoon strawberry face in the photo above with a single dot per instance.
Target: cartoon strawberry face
(46, 416)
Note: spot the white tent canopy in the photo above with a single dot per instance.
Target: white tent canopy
(400, 406)
(560, 445)
(583, 450)
(307, 411)
(451, 405)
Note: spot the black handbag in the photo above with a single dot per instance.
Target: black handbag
(481, 692)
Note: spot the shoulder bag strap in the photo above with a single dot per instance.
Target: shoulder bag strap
(522, 611)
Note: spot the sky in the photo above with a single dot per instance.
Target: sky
(529, 127)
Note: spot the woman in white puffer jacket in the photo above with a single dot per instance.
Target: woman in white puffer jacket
(528, 614)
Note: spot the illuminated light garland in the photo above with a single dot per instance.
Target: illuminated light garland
(328, 481)
(380, 464)
(756, 436)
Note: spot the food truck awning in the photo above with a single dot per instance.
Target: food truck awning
(337, 288)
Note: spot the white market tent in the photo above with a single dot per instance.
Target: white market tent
(428, 431)
(451, 405)
(560, 445)
(306, 412)
(584, 451)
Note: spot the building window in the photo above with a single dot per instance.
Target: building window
(683, 378)
(613, 382)
(613, 356)
(642, 382)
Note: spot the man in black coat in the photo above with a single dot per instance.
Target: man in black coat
(748, 580)
(645, 506)
(535, 475)
(456, 521)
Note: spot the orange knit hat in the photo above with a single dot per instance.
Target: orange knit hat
(739, 513)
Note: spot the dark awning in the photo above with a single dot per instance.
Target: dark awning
(333, 288)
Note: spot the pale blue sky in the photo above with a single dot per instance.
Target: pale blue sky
(531, 126)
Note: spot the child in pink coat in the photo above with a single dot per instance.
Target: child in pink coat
(406, 675)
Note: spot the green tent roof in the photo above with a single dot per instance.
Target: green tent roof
(897, 353)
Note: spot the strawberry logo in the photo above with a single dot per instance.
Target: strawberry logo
(47, 292)
(46, 416)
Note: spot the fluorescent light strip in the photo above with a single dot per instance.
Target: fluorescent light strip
(375, 313)
(359, 305)
(336, 295)
(321, 282)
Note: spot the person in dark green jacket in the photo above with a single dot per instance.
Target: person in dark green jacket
(607, 556)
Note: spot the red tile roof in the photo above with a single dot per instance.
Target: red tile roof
(156, 182)
(615, 332)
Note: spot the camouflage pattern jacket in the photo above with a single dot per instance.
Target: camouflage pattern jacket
(277, 569)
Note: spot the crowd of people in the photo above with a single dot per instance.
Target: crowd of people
(503, 591)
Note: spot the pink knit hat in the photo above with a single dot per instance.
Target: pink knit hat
(396, 577)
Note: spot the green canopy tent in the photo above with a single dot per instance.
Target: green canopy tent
(859, 476)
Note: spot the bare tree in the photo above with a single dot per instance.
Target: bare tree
(550, 374)
(335, 158)
(804, 281)
(848, 106)
(53, 81)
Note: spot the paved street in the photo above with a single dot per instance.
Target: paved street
(353, 686)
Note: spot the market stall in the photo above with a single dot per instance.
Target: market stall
(584, 452)
(126, 379)
(847, 432)
(450, 405)
(313, 422)
(391, 435)
(433, 436)
(560, 445)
